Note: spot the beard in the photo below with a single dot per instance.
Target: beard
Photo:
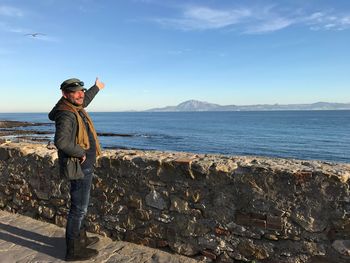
(76, 102)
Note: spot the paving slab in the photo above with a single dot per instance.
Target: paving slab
(24, 239)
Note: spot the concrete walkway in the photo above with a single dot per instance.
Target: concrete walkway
(23, 239)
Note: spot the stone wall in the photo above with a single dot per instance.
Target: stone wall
(210, 207)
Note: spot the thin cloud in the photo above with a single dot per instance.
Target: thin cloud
(270, 25)
(328, 21)
(10, 11)
(203, 18)
(252, 20)
(216, 18)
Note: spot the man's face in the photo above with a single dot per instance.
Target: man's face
(75, 97)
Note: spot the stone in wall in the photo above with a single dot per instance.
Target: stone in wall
(155, 199)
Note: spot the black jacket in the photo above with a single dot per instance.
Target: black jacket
(65, 137)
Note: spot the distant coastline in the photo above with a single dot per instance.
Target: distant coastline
(195, 105)
(202, 106)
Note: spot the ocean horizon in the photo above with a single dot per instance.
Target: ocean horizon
(309, 135)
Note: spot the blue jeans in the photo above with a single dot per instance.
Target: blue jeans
(80, 195)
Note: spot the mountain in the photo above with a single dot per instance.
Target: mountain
(190, 105)
(195, 105)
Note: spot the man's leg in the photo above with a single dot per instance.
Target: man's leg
(80, 195)
(84, 239)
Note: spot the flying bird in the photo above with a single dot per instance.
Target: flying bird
(35, 34)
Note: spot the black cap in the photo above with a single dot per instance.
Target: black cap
(72, 85)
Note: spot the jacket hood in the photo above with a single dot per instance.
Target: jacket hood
(52, 114)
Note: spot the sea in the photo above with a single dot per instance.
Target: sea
(308, 135)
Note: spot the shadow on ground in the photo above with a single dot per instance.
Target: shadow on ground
(52, 246)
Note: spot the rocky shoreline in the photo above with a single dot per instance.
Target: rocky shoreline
(12, 124)
(13, 131)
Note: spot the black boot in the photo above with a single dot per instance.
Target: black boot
(75, 251)
(85, 240)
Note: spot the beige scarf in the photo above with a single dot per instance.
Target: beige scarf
(82, 137)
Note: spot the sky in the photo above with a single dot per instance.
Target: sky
(156, 53)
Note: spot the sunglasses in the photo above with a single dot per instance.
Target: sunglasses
(74, 84)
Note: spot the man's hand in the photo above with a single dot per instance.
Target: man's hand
(99, 84)
(82, 159)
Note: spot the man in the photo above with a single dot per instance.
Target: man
(78, 147)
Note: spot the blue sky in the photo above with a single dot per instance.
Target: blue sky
(154, 53)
